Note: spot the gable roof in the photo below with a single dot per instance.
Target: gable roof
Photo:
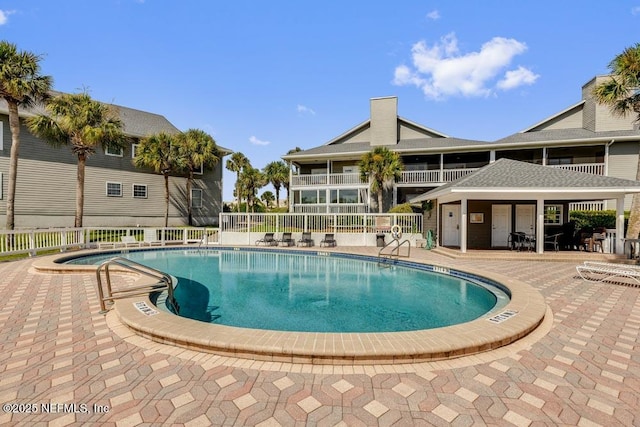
(506, 175)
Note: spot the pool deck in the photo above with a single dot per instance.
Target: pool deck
(580, 367)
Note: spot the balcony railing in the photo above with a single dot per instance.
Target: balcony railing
(435, 176)
(331, 208)
(592, 168)
(325, 179)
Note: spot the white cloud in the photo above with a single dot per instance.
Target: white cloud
(256, 141)
(635, 10)
(441, 70)
(515, 78)
(433, 15)
(303, 109)
(4, 16)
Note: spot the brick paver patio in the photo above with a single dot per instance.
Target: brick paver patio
(69, 365)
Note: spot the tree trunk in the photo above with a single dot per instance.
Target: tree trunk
(277, 196)
(82, 160)
(14, 125)
(633, 228)
(238, 192)
(166, 200)
(380, 200)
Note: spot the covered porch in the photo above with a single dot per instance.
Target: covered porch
(481, 210)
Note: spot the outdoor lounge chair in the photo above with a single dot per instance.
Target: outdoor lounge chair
(130, 241)
(287, 240)
(601, 271)
(306, 239)
(328, 240)
(267, 240)
(151, 237)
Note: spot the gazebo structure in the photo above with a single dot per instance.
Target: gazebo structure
(481, 209)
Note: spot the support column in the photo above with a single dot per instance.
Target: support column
(544, 156)
(441, 167)
(539, 225)
(620, 225)
(492, 156)
(463, 225)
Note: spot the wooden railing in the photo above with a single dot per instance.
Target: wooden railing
(592, 168)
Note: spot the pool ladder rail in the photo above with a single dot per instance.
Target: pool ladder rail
(385, 259)
(165, 282)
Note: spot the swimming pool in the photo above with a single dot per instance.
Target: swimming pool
(307, 292)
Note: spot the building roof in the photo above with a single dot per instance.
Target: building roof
(136, 123)
(579, 135)
(506, 175)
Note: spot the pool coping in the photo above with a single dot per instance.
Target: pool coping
(524, 313)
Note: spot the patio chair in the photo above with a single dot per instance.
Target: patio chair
(600, 272)
(306, 239)
(328, 240)
(553, 241)
(267, 240)
(287, 240)
(517, 241)
(151, 237)
(130, 241)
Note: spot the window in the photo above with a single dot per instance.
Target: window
(309, 196)
(110, 151)
(1, 186)
(139, 191)
(344, 195)
(1, 137)
(114, 189)
(134, 150)
(196, 198)
(198, 171)
(553, 214)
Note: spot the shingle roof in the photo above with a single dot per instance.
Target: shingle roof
(565, 135)
(407, 145)
(135, 122)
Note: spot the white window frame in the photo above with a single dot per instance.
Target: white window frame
(1, 135)
(146, 191)
(107, 189)
(120, 154)
(558, 215)
(199, 171)
(134, 148)
(193, 190)
(1, 186)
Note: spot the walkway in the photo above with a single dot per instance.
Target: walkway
(56, 350)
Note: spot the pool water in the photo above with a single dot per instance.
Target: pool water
(276, 290)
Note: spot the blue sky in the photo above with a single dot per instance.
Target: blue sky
(264, 77)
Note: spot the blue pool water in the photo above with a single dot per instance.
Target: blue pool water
(305, 292)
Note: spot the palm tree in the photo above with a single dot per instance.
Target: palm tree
(195, 150)
(622, 93)
(277, 174)
(251, 180)
(381, 167)
(236, 163)
(21, 85)
(267, 197)
(155, 152)
(286, 184)
(83, 124)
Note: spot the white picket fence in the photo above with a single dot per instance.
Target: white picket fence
(32, 241)
(348, 229)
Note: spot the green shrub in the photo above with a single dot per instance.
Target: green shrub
(403, 208)
(594, 219)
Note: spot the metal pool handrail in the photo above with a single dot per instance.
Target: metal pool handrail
(164, 282)
(390, 255)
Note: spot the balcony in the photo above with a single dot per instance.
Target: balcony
(419, 177)
(343, 208)
(326, 179)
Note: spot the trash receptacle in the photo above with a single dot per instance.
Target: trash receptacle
(380, 240)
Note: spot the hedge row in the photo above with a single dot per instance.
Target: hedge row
(593, 219)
